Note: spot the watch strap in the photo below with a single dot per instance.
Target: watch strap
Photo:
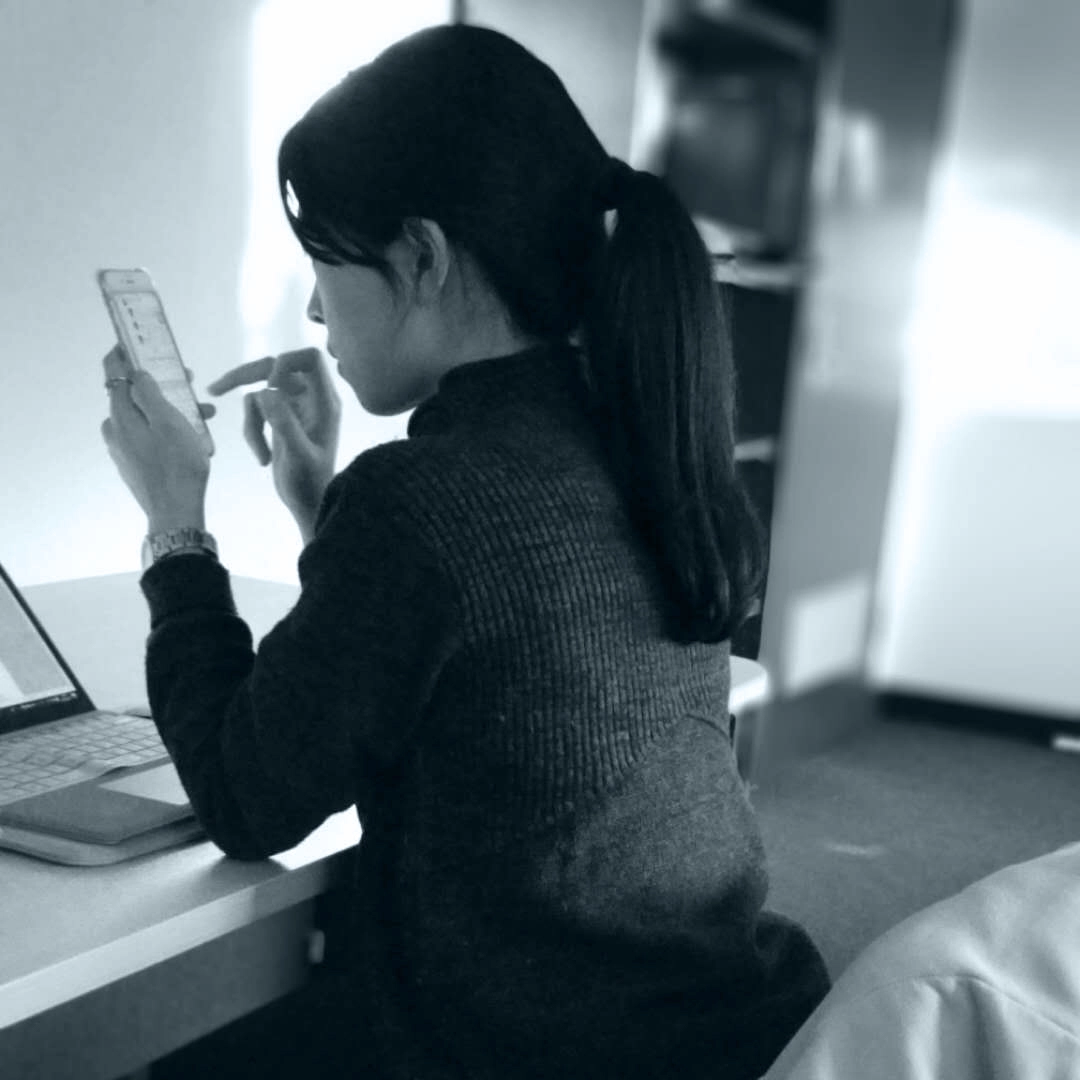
(185, 540)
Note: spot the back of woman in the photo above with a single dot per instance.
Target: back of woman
(573, 868)
(511, 647)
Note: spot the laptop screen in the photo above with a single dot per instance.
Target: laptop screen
(35, 684)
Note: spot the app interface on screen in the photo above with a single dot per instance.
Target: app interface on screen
(144, 324)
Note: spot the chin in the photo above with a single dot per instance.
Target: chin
(380, 405)
(392, 402)
(380, 409)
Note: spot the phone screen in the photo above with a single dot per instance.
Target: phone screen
(144, 331)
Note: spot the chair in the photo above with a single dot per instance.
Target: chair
(983, 985)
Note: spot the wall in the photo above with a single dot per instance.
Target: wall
(108, 158)
(592, 46)
(128, 140)
(879, 126)
(979, 594)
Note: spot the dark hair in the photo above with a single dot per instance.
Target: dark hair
(463, 126)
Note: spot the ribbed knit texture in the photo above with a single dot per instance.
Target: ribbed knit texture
(560, 873)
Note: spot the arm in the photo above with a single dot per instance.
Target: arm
(269, 743)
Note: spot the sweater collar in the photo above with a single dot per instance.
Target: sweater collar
(482, 387)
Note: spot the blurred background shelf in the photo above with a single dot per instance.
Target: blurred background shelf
(748, 274)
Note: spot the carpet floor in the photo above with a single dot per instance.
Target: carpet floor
(901, 815)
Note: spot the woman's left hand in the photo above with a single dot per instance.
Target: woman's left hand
(157, 452)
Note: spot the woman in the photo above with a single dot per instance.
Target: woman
(511, 647)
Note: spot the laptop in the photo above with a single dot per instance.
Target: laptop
(78, 785)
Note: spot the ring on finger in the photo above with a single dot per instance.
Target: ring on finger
(116, 380)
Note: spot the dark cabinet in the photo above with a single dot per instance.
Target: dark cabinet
(740, 82)
(763, 326)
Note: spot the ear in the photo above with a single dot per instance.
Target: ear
(429, 257)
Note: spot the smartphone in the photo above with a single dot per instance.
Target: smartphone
(141, 327)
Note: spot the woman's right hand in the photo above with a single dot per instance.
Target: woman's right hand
(304, 413)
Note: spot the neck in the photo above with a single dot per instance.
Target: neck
(486, 341)
(476, 324)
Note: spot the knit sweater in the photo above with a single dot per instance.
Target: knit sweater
(560, 873)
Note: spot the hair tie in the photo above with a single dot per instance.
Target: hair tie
(614, 183)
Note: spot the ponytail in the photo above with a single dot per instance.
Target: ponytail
(464, 126)
(662, 372)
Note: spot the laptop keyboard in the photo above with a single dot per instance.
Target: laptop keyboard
(69, 751)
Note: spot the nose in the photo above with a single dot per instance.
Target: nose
(314, 308)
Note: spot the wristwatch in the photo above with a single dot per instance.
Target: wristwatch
(186, 540)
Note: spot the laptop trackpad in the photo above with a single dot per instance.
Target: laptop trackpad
(161, 784)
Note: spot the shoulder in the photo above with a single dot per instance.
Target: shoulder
(430, 472)
(399, 473)
(375, 484)
(457, 492)
(368, 530)
(407, 490)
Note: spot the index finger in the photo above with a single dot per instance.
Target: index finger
(307, 361)
(243, 375)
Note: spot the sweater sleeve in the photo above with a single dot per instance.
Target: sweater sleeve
(269, 743)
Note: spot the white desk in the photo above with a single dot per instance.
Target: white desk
(751, 691)
(105, 969)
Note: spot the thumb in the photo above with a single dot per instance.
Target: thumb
(282, 420)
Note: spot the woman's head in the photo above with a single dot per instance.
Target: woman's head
(456, 164)
(463, 127)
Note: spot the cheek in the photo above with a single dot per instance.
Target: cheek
(370, 319)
